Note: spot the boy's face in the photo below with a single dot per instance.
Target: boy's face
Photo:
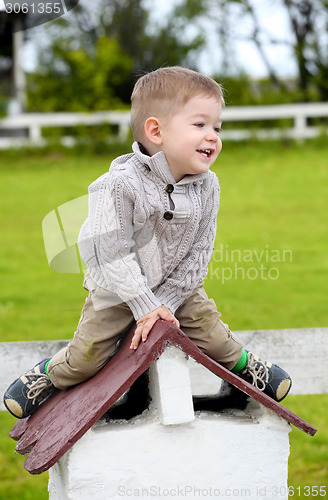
(190, 139)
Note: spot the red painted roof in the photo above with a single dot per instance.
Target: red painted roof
(67, 415)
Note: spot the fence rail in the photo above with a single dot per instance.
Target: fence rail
(31, 124)
(290, 348)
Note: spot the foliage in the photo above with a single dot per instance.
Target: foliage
(241, 90)
(75, 80)
(308, 21)
(92, 62)
(150, 44)
(94, 55)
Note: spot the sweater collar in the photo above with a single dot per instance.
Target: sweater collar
(158, 165)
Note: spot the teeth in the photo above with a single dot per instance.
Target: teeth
(206, 152)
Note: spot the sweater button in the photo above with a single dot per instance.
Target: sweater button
(168, 215)
(169, 188)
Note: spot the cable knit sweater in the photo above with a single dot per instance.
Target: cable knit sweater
(148, 239)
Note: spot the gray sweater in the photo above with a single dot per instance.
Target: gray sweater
(148, 239)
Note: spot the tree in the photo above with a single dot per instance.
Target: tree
(307, 40)
(74, 80)
(92, 62)
(309, 23)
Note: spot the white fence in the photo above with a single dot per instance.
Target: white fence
(33, 123)
(292, 349)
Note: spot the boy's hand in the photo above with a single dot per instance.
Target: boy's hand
(145, 324)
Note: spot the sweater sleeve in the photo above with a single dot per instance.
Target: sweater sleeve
(106, 244)
(193, 268)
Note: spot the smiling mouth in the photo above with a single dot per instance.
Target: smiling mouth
(207, 153)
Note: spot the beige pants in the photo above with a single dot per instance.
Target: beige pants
(99, 331)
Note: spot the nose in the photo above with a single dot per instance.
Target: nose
(212, 136)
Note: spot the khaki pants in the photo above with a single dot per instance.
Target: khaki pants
(99, 331)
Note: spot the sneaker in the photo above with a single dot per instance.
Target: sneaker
(269, 378)
(24, 396)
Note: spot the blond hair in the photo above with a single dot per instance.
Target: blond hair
(166, 90)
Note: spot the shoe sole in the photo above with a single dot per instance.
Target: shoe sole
(13, 407)
(283, 389)
(11, 404)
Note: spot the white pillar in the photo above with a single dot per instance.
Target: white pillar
(18, 72)
(170, 387)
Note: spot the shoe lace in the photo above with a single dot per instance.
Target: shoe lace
(37, 387)
(258, 370)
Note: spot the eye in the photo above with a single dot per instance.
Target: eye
(199, 124)
(217, 129)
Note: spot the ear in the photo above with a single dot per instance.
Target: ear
(153, 130)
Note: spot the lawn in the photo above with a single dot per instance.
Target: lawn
(269, 268)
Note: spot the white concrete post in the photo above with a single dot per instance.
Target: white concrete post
(170, 387)
(18, 71)
(300, 125)
(123, 130)
(35, 135)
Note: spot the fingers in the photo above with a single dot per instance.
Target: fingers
(136, 338)
(141, 333)
(145, 324)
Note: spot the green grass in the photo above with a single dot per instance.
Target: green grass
(274, 199)
(16, 483)
(308, 463)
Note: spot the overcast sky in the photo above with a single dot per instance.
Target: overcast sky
(274, 20)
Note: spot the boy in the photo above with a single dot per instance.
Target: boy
(148, 240)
